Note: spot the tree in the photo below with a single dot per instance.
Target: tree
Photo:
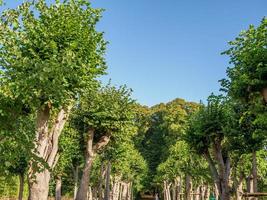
(248, 54)
(183, 163)
(16, 136)
(49, 54)
(159, 127)
(247, 81)
(208, 137)
(102, 116)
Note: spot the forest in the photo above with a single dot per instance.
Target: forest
(64, 134)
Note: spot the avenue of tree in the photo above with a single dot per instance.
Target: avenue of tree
(65, 133)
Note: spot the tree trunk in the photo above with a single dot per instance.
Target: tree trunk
(90, 153)
(76, 180)
(90, 194)
(249, 184)
(124, 191)
(164, 190)
(239, 191)
(129, 192)
(188, 187)
(207, 193)
(46, 148)
(58, 188)
(107, 189)
(254, 171)
(89, 156)
(178, 183)
(264, 94)
(100, 182)
(221, 175)
(174, 186)
(116, 188)
(39, 190)
(197, 193)
(21, 186)
(216, 191)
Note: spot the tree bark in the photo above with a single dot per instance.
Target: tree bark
(21, 186)
(76, 180)
(107, 189)
(239, 191)
(174, 186)
(197, 193)
(222, 174)
(264, 94)
(46, 148)
(89, 156)
(254, 171)
(58, 188)
(90, 153)
(100, 182)
(178, 183)
(124, 191)
(188, 187)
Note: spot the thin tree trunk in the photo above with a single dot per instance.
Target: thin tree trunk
(254, 171)
(178, 184)
(207, 193)
(76, 180)
(124, 191)
(264, 94)
(216, 191)
(188, 187)
(58, 188)
(174, 186)
(165, 190)
(21, 186)
(107, 189)
(116, 188)
(100, 182)
(203, 190)
(129, 192)
(89, 156)
(46, 148)
(90, 194)
(197, 193)
(239, 191)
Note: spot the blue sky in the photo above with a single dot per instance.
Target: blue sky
(164, 49)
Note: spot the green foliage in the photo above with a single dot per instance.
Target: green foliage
(248, 54)
(50, 53)
(108, 110)
(208, 124)
(70, 151)
(182, 161)
(159, 128)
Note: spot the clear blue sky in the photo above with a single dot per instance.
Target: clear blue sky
(164, 49)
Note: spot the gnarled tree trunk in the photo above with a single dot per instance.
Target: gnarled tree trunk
(90, 153)
(46, 148)
(221, 174)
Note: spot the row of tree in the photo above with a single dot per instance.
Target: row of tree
(221, 144)
(56, 118)
(64, 132)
